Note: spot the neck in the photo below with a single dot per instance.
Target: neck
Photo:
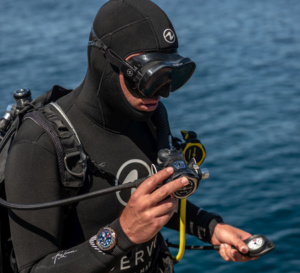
(93, 100)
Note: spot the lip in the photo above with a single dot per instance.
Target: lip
(150, 104)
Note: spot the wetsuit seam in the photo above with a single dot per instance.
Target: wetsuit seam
(34, 143)
(124, 27)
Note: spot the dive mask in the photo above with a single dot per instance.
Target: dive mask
(149, 74)
(159, 73)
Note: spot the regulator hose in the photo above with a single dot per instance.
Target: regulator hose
(164, 140)
(163, 132)
(182, 224)
(71, 200)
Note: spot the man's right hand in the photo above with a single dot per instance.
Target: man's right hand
(148, 210)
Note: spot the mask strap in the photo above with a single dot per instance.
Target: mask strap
(129, 71)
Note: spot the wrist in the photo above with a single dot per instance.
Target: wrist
(112, 239)
(123, 240)
(214, 238)
(207, 223)
(214, 224)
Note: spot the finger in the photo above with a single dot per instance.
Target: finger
(167, 190)
(223, 253)
(236, 256)
(232, 254)
(237, 252)
(166, 207)
(151, 183)
(242, 247)
(165, 210)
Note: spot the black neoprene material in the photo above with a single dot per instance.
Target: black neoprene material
(112, 132)
(140, 29)
(64, 246)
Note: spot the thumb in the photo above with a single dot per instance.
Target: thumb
(241, 247)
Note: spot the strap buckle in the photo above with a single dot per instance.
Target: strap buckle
(82, 163)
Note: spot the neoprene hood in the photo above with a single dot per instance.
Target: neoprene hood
(132, 26)
(126, 27)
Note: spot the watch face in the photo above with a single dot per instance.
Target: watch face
(256, 243)
(106, 238)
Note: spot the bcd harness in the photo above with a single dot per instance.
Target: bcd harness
(72, 160)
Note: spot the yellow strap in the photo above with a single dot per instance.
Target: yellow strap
(182, 230)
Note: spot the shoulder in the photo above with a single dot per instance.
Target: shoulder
(31, 158)
(31, 133)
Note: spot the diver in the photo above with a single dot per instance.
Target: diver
(132, 62)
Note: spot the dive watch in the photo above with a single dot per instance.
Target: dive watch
(106, 238)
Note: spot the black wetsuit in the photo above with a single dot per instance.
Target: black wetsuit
(62, 239)
(127, 156)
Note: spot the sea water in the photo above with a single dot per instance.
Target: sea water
(243, 101)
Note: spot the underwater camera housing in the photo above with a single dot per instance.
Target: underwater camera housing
(174, 158)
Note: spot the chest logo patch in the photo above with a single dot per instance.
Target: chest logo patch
(131, 170)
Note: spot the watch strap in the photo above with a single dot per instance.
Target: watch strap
(124, 243)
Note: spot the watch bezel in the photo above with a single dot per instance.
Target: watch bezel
(113, 242)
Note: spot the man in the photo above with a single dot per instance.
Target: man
(112, 112)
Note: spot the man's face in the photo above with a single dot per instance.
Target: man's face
(141, 104)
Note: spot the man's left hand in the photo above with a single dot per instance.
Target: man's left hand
(227, 236)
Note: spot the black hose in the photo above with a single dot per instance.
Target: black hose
(210, 247)
(71, 200)
(160, 120)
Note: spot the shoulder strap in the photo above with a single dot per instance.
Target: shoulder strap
(72, 159)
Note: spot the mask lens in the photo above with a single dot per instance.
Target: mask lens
(158, 84)
(161, 73)
(181, 75)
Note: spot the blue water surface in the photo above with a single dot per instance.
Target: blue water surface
(243, 101)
